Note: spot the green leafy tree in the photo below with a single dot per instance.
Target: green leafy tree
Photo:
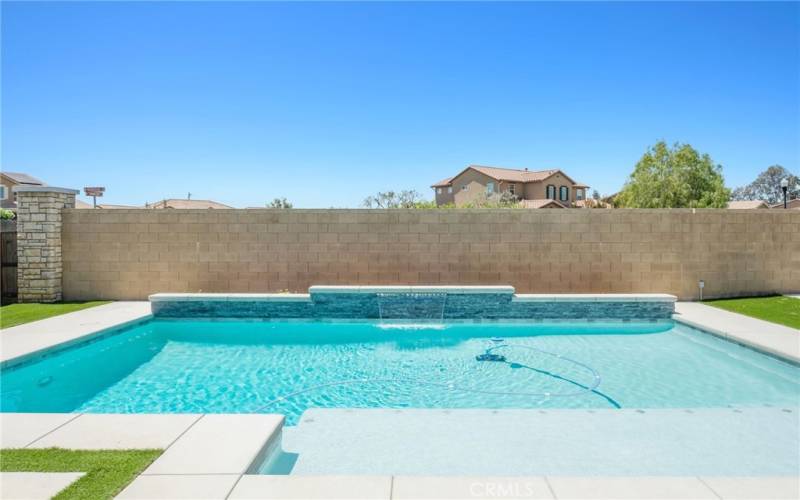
(674, 177)
(7, 214)
(767, 186)
(280, 203)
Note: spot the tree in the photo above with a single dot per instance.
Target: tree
(279, 203)
(408, 198)
(676, 177)
(767, 186)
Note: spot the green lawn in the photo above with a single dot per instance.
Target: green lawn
(17, 314)
(107, 471)
(777, 309)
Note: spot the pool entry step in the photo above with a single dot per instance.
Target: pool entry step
(635, 442)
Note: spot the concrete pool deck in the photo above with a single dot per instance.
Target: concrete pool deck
(20, 342)
(209, 456)
(212, 456)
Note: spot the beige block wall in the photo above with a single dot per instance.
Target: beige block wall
(128, 254)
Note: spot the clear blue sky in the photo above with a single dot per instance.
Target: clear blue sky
(325, 103)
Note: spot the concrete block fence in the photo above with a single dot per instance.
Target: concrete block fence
(129, 254)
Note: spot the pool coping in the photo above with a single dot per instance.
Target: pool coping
(778, 341)
(455, 290)
(21, 343)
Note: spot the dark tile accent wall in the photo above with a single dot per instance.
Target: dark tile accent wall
(399, 306)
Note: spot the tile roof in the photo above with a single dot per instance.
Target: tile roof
(21, 178)
(185, 204)
(109, 206)
(792, 204)
(509, 175)
(514, 175)
(443, 183)
(745, 204)
(541, 203)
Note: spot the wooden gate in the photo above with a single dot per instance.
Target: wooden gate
(8, 261)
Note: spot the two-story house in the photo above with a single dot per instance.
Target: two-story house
(534, 189)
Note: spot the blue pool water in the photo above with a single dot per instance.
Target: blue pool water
(166, 366)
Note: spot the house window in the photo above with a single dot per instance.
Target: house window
(449, 189)
(438, 190)
(512, 188)
(465, 187)
(551, 192)
(3, 192)
(563, 193)
(579, 194)
(489, 187)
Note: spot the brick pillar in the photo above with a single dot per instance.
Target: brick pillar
(39, 265)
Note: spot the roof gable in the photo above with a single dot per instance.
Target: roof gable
(510, 175)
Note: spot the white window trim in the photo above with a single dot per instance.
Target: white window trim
(3, 192)
(449, 189)
(490, 187)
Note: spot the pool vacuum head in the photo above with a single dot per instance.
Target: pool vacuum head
(490, 357)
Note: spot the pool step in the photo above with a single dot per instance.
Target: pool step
(628, 442)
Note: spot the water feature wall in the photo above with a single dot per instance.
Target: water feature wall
(414, 303)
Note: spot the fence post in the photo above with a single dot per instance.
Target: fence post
(39, 264)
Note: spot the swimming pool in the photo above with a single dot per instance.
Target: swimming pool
(224, 366)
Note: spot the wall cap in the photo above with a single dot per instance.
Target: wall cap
(454, 289)
(594, 297)
(44, 189)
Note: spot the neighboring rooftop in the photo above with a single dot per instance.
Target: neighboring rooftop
(21, 178)
(514, 175)
(509, 175)
(186, 204)
(746, 204)
(545, 203)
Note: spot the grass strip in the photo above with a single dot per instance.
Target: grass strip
(107, 472)
(776, 309)
(18, 314)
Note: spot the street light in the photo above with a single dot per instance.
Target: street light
(785, 188)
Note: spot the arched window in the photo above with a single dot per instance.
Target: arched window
(551, 192)
(563, 194)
